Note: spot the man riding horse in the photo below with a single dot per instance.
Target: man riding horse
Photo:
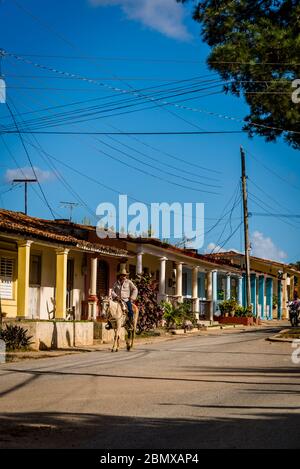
(124, 291)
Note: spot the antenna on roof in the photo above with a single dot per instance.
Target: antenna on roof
(70, 206)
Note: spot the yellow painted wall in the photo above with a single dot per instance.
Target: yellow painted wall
(10, 306)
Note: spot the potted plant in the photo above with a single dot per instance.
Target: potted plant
(228, 307)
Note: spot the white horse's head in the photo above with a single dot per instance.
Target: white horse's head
(104, 303)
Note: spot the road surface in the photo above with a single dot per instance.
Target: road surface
(226, 390)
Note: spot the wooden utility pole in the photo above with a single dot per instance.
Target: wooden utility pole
(246, 229)
(25, 181)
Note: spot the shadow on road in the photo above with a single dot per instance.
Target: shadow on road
(69, 430)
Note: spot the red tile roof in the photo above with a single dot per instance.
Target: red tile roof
(66, 233)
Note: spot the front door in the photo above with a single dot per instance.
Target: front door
(34, 286)
(102, 278)
(70, 283)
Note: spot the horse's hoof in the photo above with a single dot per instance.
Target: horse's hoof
(116, 350)
(112, 350)
(128, 348)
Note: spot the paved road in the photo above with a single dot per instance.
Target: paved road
(228, 390)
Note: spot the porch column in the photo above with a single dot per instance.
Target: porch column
(261, 295)
(162, 278)
(195, 297)
(93, 289)
(284, 296)
(139, 263)
(269, 294)
(23, 278)
(240, 290)
(279, 299)
(210, 294)
(228, 287)
(292, 287)
(61, 283)
(179, 281)
(253, 293)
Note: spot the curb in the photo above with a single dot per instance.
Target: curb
(277, 338)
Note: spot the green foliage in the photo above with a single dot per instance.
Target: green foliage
(176, 315)
(243, 312)
(150, 311)
(274, 301)
(228, 306)
(15, 337)
(255, 47)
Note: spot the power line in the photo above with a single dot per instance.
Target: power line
(29, 159)
(22, 172)
(161, 60)
(136, 94)
(82, 132)
(273, 172)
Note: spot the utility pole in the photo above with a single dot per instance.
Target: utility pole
(25, 181)
(70, 206)
(246, 229)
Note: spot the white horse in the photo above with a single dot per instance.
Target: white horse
(113, 311)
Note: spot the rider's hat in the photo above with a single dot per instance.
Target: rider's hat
(122, 270)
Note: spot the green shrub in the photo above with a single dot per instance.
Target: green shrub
(228, 306)
(176, 315)
(243, 312)
(15, 337)
(150, 311)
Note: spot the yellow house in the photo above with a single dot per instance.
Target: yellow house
(47, 268)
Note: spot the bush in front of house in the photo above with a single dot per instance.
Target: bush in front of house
(175, 316)
(243, 312)
(228, 307)
(15, 337)
(150, 311)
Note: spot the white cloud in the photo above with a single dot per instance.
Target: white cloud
(264, 247)
(26, 172)
(165, 16)
(215, 248)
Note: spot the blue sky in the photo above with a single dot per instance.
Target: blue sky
(130, 44)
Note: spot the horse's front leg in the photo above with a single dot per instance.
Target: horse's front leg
(118, 340)
(115, 340)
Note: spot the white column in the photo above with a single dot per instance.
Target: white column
(179, 281)
(139, 263)
(228, 286)
(195, 290)
(93, 289)
(240, 290)
(162, 278)
(209, 277)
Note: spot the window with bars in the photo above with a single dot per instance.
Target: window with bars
(6, 277)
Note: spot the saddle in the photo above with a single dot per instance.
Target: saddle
(126, 321)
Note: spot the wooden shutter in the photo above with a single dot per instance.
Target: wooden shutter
(6, 277)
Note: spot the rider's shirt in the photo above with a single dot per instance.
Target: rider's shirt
(125, 291)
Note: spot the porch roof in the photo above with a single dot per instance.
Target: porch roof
(229, 257)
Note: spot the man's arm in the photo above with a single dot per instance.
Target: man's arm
(113, 293)
(133, 291)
